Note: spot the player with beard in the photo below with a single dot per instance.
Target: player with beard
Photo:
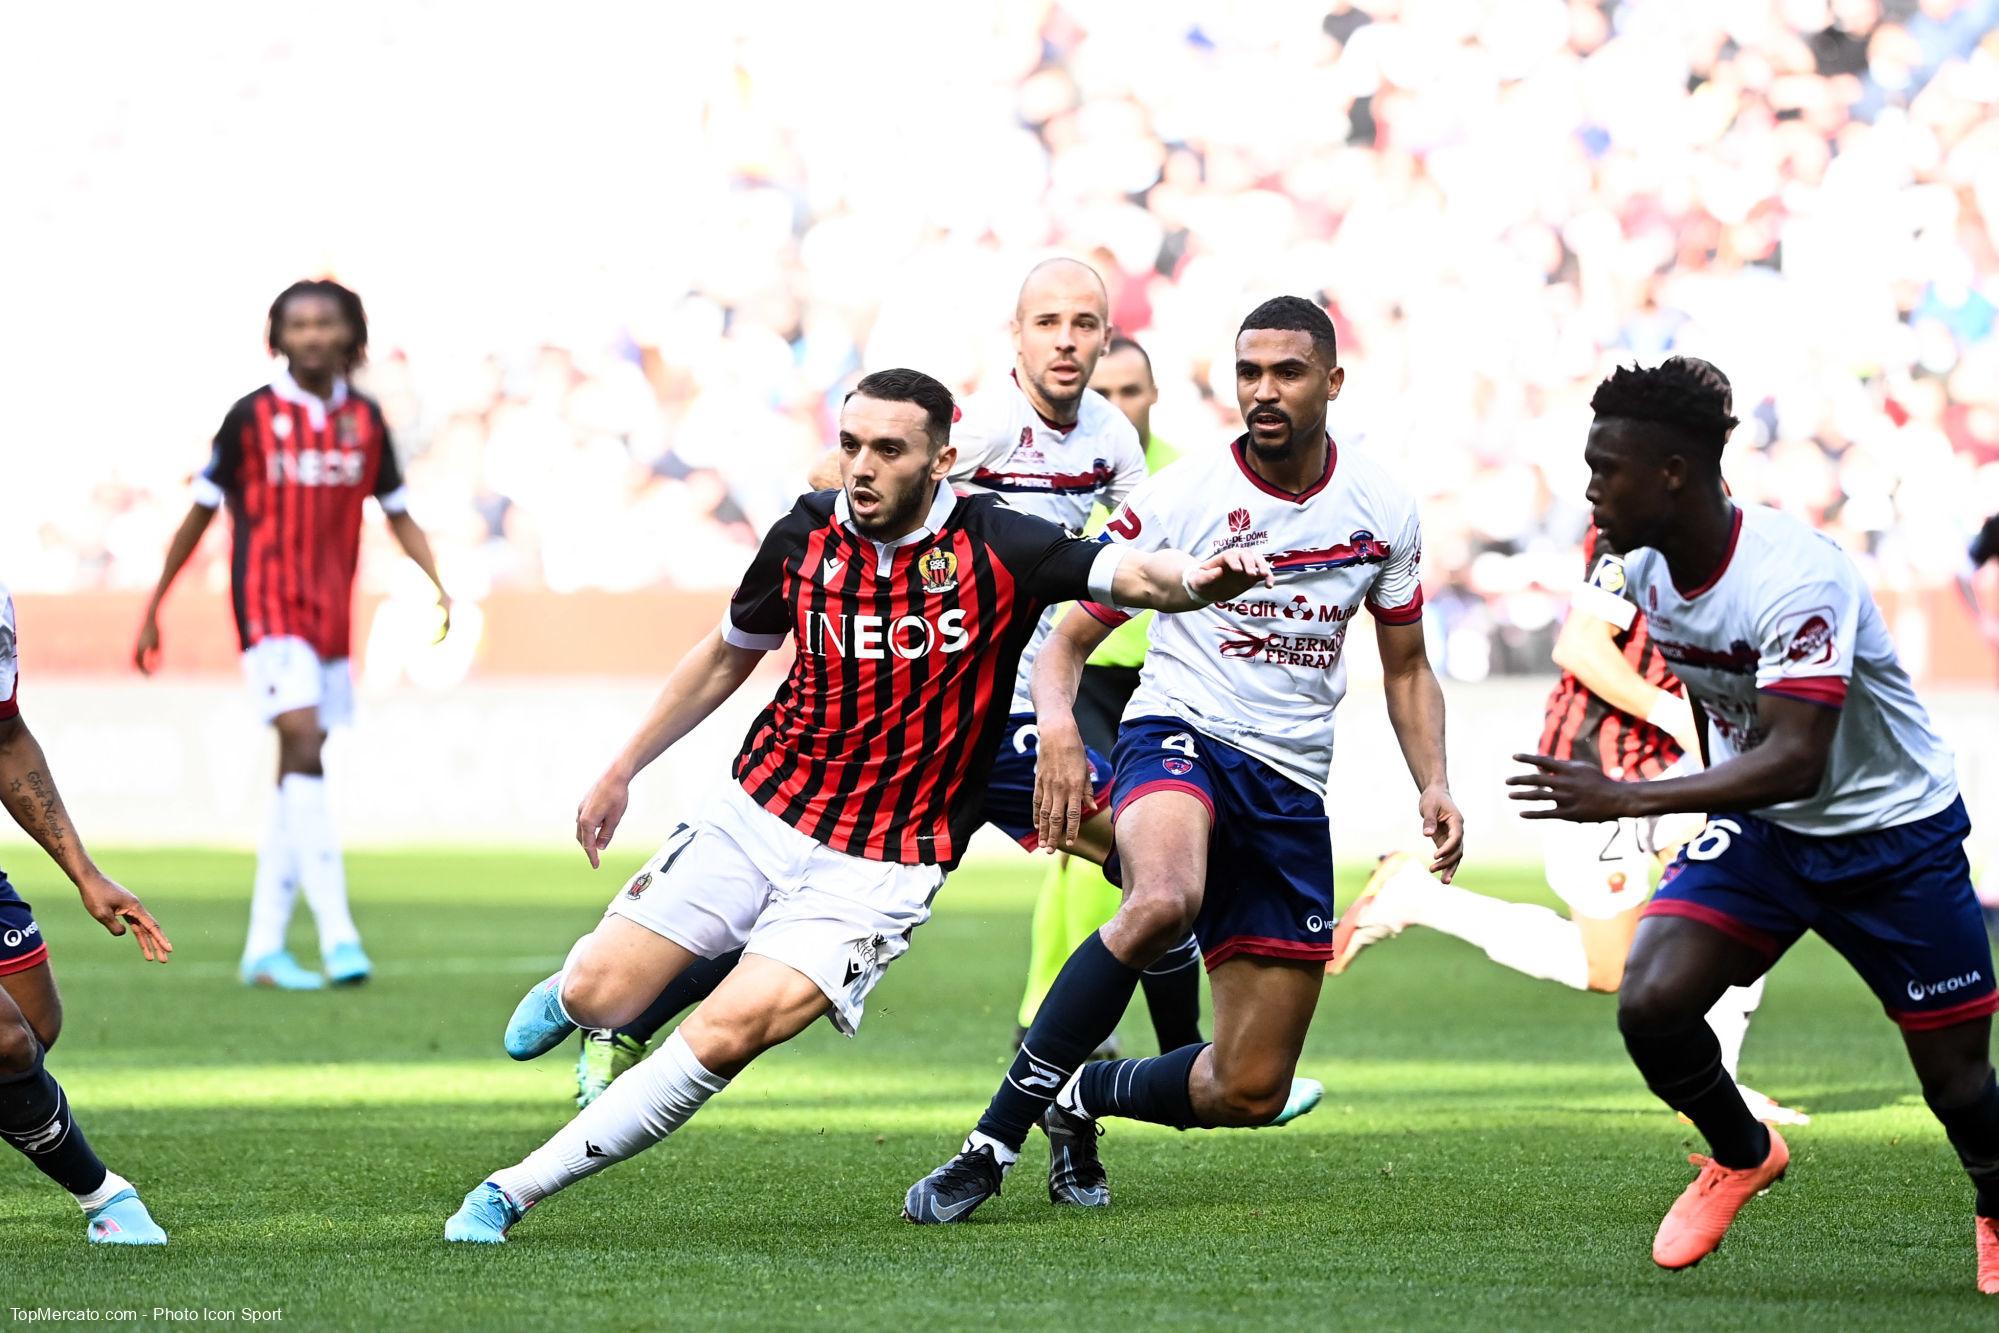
(1833, 804)
(1222, 768)
(855, 790)
(1053, 449)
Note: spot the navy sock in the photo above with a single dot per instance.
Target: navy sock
(690, 988)
(1682, 1066)
(1082, 1008)
(1974, 1131)
(1155, 1089)
(1173, 995)
(35, 1119)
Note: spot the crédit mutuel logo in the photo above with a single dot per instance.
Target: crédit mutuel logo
(1929, 990)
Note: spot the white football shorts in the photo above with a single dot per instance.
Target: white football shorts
(286, 674)
(739, 877)
(1604, 870)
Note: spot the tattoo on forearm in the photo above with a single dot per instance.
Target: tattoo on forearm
(34, 801)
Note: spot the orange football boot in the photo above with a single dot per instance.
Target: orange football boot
(1699, 1218)
(1988, 1255)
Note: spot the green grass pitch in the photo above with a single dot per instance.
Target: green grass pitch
(1485, 1156)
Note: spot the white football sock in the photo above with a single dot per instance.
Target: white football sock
(1522, 936)
(97, 1198)
(321, 872)
(1730, 1020)
(276, 887)
(654, 1098)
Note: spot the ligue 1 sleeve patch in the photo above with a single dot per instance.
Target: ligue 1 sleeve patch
(1608, 575)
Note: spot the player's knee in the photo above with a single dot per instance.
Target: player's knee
(1606, 975)
(1254, 1097)
(18, 1047)
(1155, 920)
(1647, 1005)
(592, 998)
(1956, 1084)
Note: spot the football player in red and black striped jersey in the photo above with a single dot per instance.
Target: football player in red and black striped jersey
(907, 607)
(295, 463)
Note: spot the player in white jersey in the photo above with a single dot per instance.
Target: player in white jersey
(1838, 805)
(1222, 767)
(35, 1117)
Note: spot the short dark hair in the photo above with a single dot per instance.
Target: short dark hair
(1690, 397)
(1299, 315)
(902, 385)
(350, 311)
(1120, 343)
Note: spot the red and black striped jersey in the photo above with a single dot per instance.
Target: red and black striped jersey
(879, 741)
(1579, 725)
(294, 472)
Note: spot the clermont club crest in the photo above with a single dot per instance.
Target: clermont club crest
(938, 571)
(639, 883)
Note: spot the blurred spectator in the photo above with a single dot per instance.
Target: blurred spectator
(1497, 201)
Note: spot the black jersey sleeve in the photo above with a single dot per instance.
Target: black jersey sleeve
(1044, 559)
(389, 475)
(1985, 546)
(759, 616)
(222, 475)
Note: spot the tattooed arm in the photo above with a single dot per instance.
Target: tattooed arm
(28, 790)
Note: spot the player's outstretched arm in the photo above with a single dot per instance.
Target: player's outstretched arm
(1061, 761)
(1416, 710)
(417, 547)
(1587, 649)
(711, 672)
(1173, 581)
(28, 790)
(146, 651)
(1787, 765)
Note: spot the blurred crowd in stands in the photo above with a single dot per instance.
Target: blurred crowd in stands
(1496, 200)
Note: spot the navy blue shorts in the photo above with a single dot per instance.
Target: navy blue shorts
(1896, 903)
(1270, 846)
(1010, 791)
(21, 944)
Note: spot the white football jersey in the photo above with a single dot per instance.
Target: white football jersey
(1265, 672)
(1005, 446)
(1789, 614)
(10, 661)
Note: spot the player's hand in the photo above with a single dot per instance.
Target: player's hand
(114, 905)
(1062, 787)
(1229, 574)
(598, 816)
(1989, 627)
(146, 652)
(1443, 825)
(1573, 790)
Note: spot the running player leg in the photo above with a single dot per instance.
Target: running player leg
(1679, 967)
(1166, 831)
(1263, 1007)
(35, 1117)
(606, 1053)
(287, 683)
(1918, 943)
(761, 1004)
